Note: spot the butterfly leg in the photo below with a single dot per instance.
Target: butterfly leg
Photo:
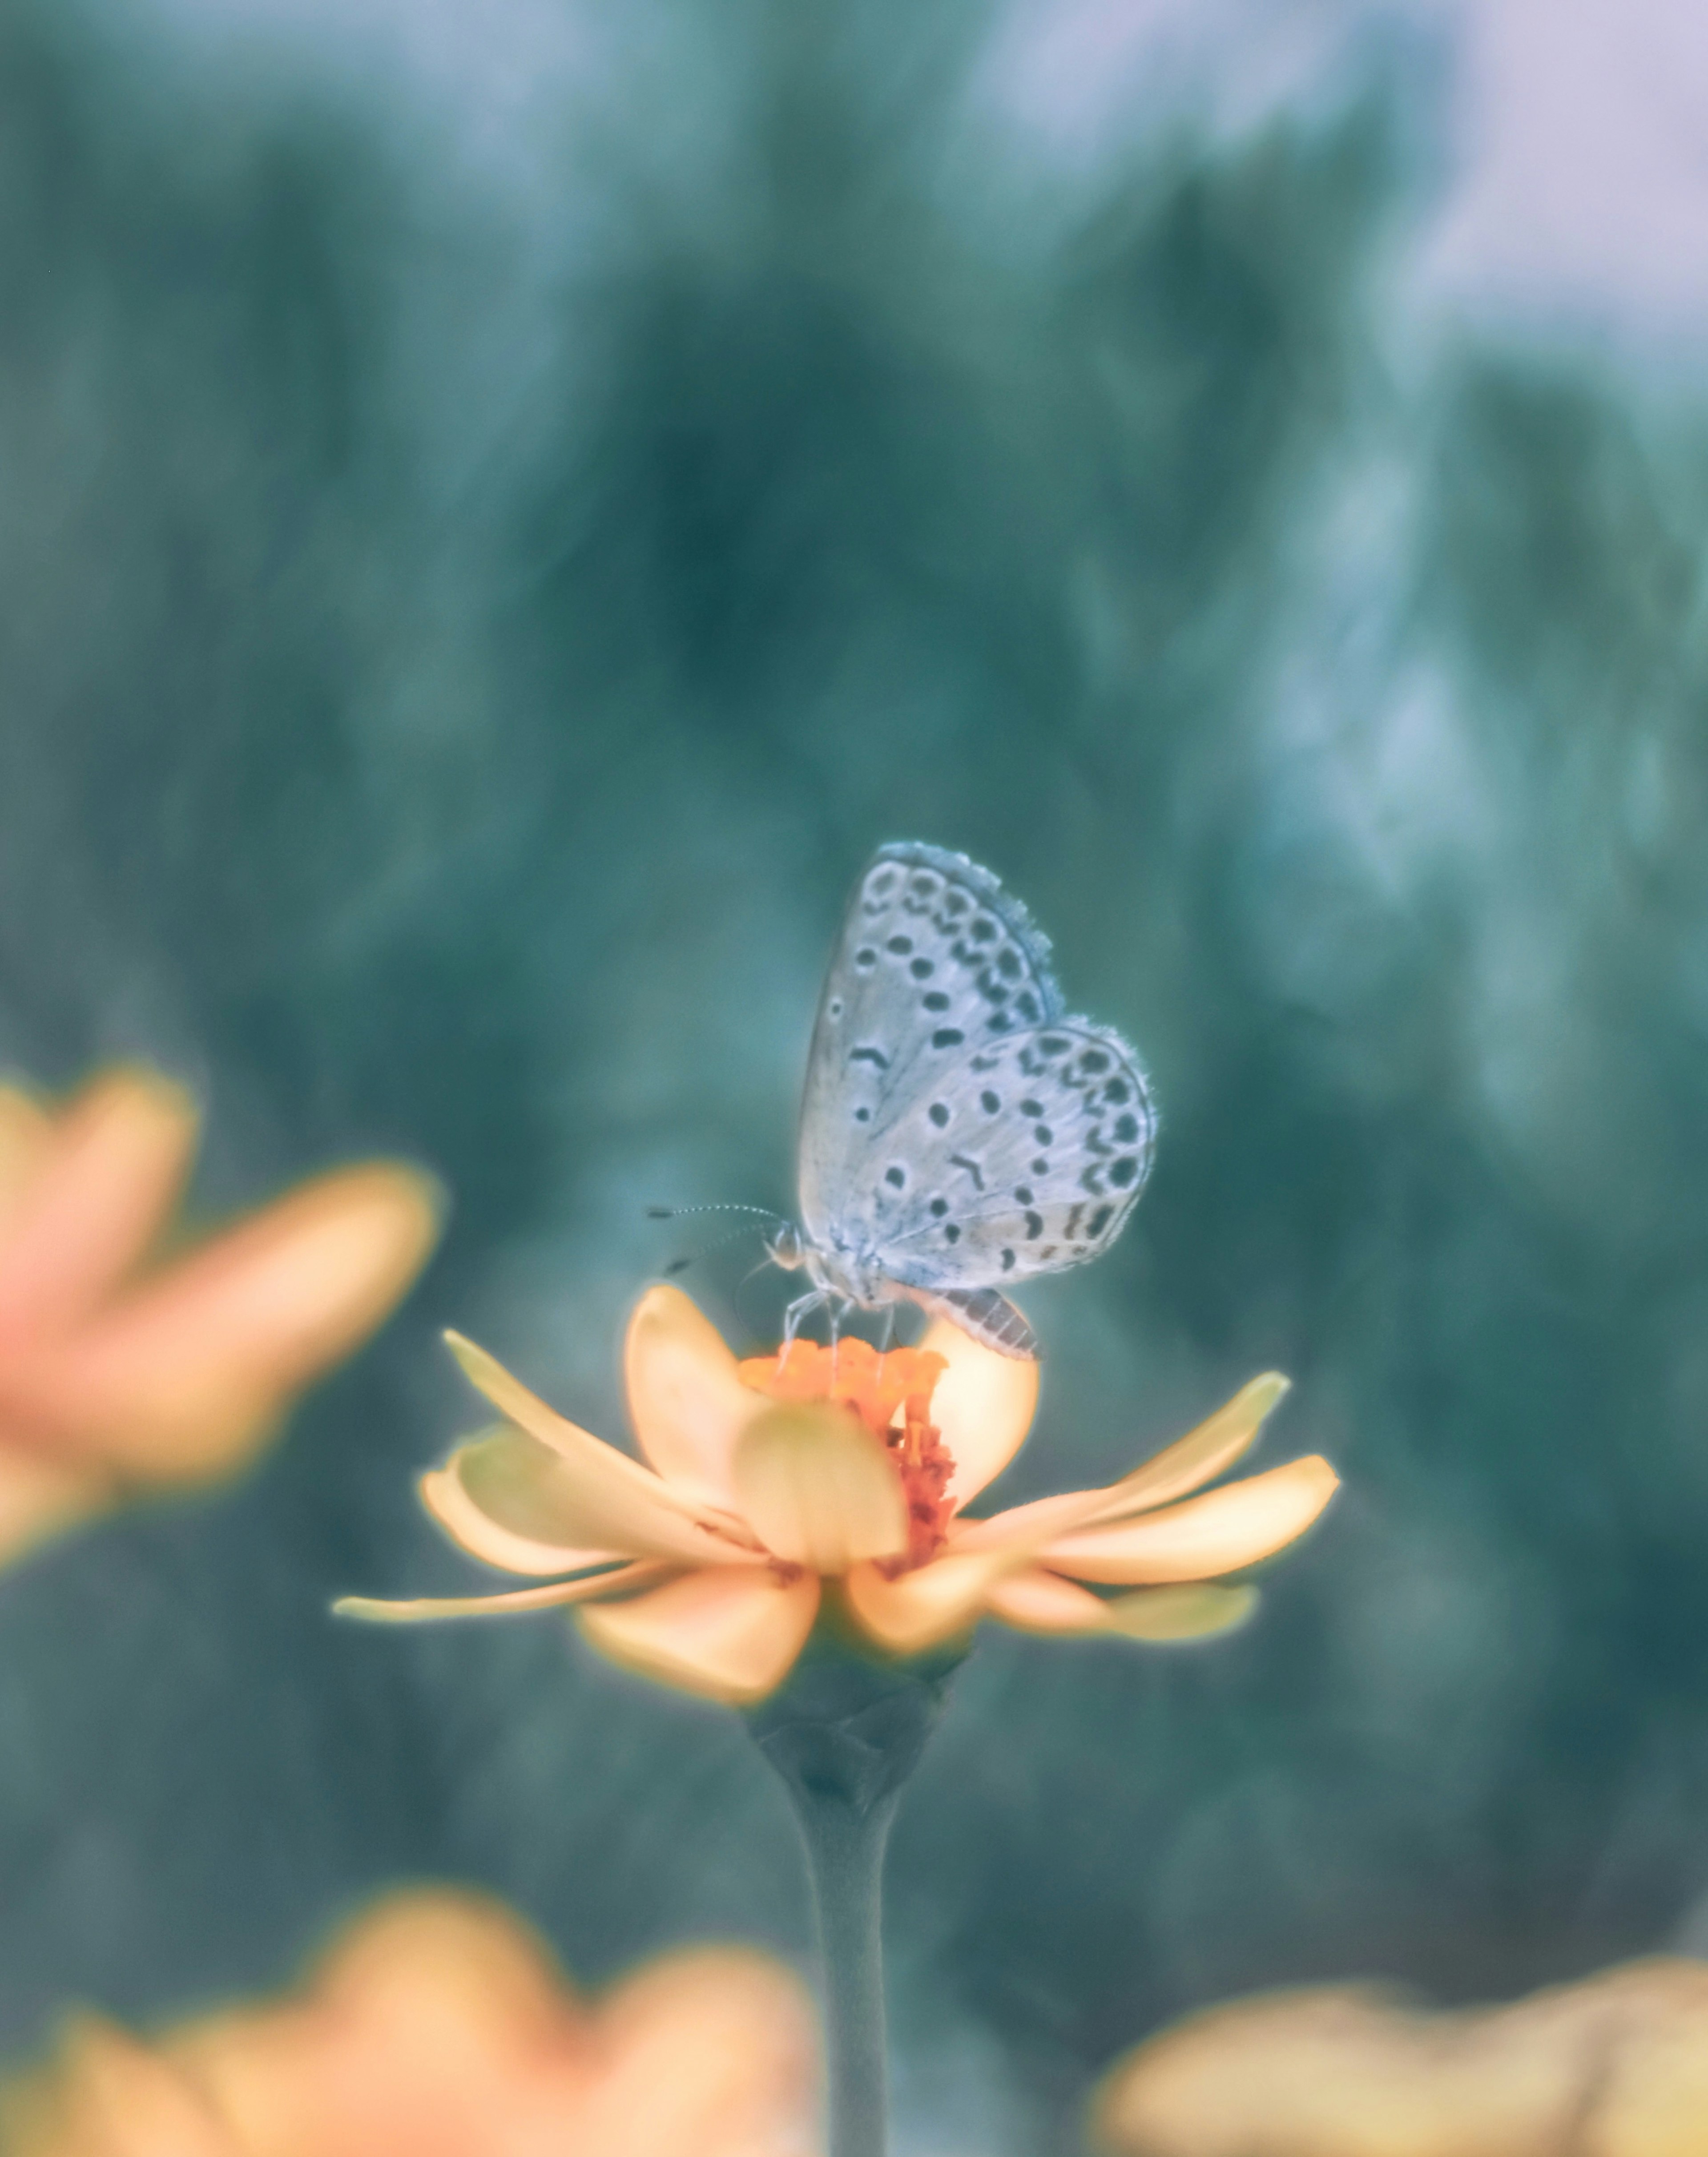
(795, 1311)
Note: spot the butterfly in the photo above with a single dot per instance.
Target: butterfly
(958, 1132)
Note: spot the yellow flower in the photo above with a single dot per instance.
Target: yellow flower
(1617, 2065)
(112, 1377)
(439, 2028)
(766, 1482)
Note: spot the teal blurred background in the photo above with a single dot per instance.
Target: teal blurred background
(501, 510)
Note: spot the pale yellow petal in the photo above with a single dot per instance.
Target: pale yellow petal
(512, 1501)
(185, 1375)
(619, 1503)
(933, 1602)
(729, 1635)
(1207, 1451)
(1193, 1611)
(101, 1189)
(1218, 1532)
(1035, 1601)
(686, 1403)
(819, 1490)
(983, 1404)
(497, 1606)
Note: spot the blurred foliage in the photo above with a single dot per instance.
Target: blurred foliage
(459, 650)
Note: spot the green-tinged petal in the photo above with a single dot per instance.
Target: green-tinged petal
(634, 1509)
(1209, 1450)
(983, 1404)
(1038, 1602)
(487, 1498)
(729, 1635)
(917, 1609)
(1218, 1532)
(686, 1403)
(1191, 1612)
(818, 1490)
(497, 1606)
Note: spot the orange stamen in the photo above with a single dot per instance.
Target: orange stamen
(892, 1395)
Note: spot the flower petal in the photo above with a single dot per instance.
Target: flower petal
(26, 1137)
(686, 1403)
(496, 1606)
(1213, 1447)
(113, 1164)
(1218, 1532)
(107, 2093)
(983, 1404)
(41, 1494)
(917, 1609)
(1038, 1602)
(712, 2052)
(494, 1497)
(1192, 1612)
(617, 1500)
(730, 1635)
(190, 1370)
(818, 1490)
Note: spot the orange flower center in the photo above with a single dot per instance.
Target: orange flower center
(892, 1395)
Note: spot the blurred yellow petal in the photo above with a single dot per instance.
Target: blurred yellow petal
(1035, 1601)
(110, 1174)
(731, 1634)
(917, 1609)
(984, 1405)
(639, 1511)
(713, 2053)
(476, 1526)
(688, 1405)
(1218, 1532)
(109, 2096)
(1616, 2066)
(26, 1134)
(190, 1370)
(381, 1612)
(43, 1493)
(1207, 1451)
(818, 1490)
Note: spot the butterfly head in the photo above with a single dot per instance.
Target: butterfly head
(788, 1247)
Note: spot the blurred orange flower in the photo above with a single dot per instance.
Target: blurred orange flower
(765, 1480)
(1616, 2066)
(113, 1377)
(438, 2027)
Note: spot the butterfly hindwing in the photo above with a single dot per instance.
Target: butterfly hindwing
(1041, 1155)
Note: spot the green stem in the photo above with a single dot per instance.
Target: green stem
(844, 1734)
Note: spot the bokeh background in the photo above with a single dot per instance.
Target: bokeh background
(501, 507)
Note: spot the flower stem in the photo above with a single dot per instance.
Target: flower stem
(844, 1734)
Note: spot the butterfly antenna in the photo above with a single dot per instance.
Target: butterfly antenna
(679, 1265)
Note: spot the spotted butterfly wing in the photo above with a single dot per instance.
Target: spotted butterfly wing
(959, 1132)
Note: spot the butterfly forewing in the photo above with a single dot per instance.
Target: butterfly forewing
(932, 957)
(956, 1124)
